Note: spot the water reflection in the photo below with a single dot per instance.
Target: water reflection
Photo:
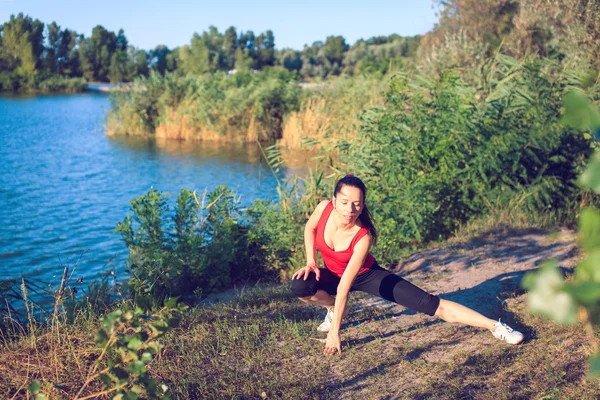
(69, 183)
(295, 162)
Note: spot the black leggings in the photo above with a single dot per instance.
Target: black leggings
(377, 281)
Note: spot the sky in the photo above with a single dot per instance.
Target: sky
(148, 23)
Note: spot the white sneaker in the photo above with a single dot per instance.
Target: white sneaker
(506, 333)
(326, 324)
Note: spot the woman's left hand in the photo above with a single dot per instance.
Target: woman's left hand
(333, 344)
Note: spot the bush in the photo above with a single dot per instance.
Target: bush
(242, 107)
(440, 152)
(203, 245)
(60, 84)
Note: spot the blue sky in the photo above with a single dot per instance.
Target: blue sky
(173, 22)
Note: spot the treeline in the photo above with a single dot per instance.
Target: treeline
(470, 31)
(38, 56)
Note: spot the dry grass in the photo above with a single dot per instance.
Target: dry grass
(176, 125)
(263, 344)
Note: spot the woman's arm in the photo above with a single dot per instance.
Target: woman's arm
(310, 233)
(361, 250)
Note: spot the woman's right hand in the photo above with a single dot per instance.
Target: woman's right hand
(303, 273)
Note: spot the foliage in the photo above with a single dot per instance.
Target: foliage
(564, 30)
(439, 151)
(128, 341)
(216, 107)
(275, 233)
(29, 48)
(62, 84)
(203, 245)
(567, 301)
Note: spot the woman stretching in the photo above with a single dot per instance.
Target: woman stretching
(342, 231)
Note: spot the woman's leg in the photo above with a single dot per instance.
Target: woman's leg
(321, 298)
(450, 311)
(453, 312)
(382, 283)
(391, 287)
(318, 292)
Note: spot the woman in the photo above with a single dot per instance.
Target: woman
(342, 231)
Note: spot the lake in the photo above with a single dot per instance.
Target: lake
(65, 184)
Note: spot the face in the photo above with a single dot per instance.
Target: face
(349, 203)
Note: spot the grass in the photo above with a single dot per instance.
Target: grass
(262, 344)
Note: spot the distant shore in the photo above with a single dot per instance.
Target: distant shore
(101, 87)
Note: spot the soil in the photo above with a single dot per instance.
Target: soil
(483, 273)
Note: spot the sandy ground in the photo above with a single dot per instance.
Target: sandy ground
(483, 273)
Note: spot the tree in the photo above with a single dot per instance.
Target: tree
(158, 59)
(67, 56)
(243, 61)
(334, 48)
(51, 57)
(141, 63)
(117, 71)
(230, 44)
(265, 49)
(22, 47)
(289, 59)
(85, 59)
(246, 43)
(96, 53)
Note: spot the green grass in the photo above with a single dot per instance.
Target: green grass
(263, 344)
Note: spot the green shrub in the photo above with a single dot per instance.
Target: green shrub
(203, 245)
(225, 106)
(439, 152)
(61, 84)
(569, 301)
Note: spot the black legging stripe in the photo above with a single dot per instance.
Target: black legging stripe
(377, 281)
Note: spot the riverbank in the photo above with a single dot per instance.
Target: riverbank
(100, 87)
(244, 107)
(262, 343)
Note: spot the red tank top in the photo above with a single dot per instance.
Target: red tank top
(337, 261)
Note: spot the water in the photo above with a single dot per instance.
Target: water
(64, 184)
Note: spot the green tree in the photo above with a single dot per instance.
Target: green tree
(289, 59)
(22, 48)
(230, 44)
(247, 44)
(158, 59)
(118, 67)
(195, 58)
(334, 48)
(96, 53)
(67, 56)
(86, 64)
(265, 50)
(173, 60)
(243, 61)
(51, 57)
(140, 61)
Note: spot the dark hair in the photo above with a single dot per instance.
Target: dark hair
(365, 215)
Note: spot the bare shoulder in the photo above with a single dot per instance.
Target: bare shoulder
(321, 206)
(365, 241)
(316, 215)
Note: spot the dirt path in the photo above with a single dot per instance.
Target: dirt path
(394, 353)
(474, 273)
(482, 273)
